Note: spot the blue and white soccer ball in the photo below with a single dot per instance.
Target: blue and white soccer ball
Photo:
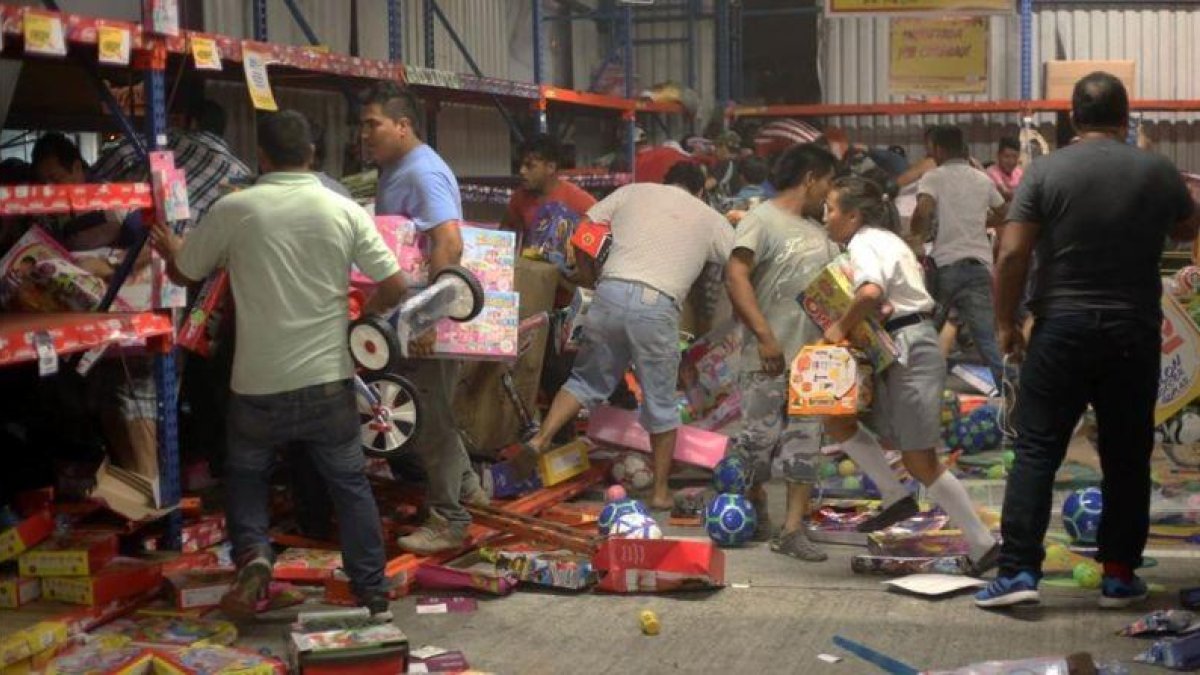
(1081, 515)
(731, 475)
(614, 511)
(636, 526)
(730, 520)
(981, 432)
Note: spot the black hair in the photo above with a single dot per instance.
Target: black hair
(753, 170)
(798, 161)
(950, 139)
(208, 115)
(855, 193)
(57, 146)
(1100, 100)
(317, 131)
(686, 175)
(286, 139)
(397, 104)
(15, 171)
(1009, 143)
(543, 147)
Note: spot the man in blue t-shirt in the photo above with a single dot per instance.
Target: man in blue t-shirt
(415, 182)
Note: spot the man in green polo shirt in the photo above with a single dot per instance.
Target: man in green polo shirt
(288, 243)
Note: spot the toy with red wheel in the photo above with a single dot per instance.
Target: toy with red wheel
(388, 406)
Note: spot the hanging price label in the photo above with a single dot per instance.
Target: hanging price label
(255, 64)
(47, 358)
(205, 53)
(114, 44)
(44, 33)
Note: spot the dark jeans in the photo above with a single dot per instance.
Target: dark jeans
(967, 287)
(323, 421)
(1108, 359)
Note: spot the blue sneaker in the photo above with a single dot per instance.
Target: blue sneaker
(1116, 594)
(1008, 591)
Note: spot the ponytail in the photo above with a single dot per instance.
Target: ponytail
(868, 198)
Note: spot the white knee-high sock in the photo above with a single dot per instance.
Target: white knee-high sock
(868, 455)
(950, 494)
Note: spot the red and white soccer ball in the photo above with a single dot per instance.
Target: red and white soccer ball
(633, 471)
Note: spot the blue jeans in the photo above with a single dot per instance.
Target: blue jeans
(966, 286)
(321, 420)
(1107, 359)
(630, 323)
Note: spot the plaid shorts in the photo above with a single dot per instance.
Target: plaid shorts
(769, 439)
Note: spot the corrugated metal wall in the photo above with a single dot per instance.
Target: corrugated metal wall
(473, 140)
(1161, 39)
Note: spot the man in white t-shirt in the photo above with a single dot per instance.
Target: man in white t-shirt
(963, 202)
(662, 237)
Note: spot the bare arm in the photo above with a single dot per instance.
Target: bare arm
(168, 245)
(1012, 268)
(914, 172)
(387, 294)
(447, 246)
(745, 306)
(868, 300)
(996, 215)
(921, 223)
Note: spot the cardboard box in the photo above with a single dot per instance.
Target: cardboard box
(614, 426)
(307, 565)
(172, 631)
(828, 298)
(502, 480)
(17, 591)
(362, 650)
(23, 644)
(25, 535)
(73, 555)
(121, 578)
(99, 658)
(830, 381)
(204, 532)
(173, 563)
(194, 589)
(594, 239)
(659, 565)
(399, 575)
(491, 336)
(552, 569)
(1061, 76)
(214, 660)
(563, 463)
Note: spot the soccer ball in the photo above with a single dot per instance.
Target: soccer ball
(636, 526)
(979, 431)
(730, 520)
(950, 408)
(632, 471)
(613, 511)
(731, 475)
(1081, 515)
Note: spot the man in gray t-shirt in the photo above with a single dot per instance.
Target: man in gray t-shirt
(777, 253)
(1098, 213)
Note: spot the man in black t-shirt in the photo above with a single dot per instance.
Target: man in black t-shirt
(1098, 214)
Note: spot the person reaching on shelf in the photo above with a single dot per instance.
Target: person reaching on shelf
(662, 237)
(289, 244)
(415, 182)
(779, 250)
(652, 162)
(724, 180)
(964, 203)
(1006, 172)
(908, 394)
(209, 166)
(544, 210)
(1098, 214)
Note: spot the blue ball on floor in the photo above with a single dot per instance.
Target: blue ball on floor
(614, 511)
(1081, 515)
(730, 520)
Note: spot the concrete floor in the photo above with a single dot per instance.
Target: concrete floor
(787, 615)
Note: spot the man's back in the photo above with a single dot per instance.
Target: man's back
(1105, 209)
(290, 244)
(662, 236)
(964, 197)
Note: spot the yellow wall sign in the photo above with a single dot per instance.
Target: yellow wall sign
(938, 56)
(880, 7)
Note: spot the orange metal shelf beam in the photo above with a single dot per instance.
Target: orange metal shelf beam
(581, 98)
(939, 108)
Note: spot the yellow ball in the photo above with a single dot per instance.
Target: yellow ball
(1087, 575)
(1057, 556)
(847, 468)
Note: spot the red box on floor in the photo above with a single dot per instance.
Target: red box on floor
(25, 535)
(201, 587)
(307, 565)
(658, 565)
(76, 554)
(121, 578)
(30, 502)
(398, 575)
(380, 649)
(202, 533)
(185, 561)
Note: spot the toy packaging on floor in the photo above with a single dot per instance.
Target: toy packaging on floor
(613, 426)
(120, 578)
(200, 588)
(658, 565)
(552, 569)
(17, 591)
(172, 631)
(346, 641)
(25, 535)
(71, 555)
(896, 565)
(307, 565)
(563, 463)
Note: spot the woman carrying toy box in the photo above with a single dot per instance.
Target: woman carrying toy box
(907, 407)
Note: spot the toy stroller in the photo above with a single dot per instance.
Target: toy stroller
(388, 408)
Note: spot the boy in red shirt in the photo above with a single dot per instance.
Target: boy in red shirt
(544, 210)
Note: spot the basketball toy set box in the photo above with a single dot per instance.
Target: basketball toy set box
(828, 298)
(658, 565)
(830, 381)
